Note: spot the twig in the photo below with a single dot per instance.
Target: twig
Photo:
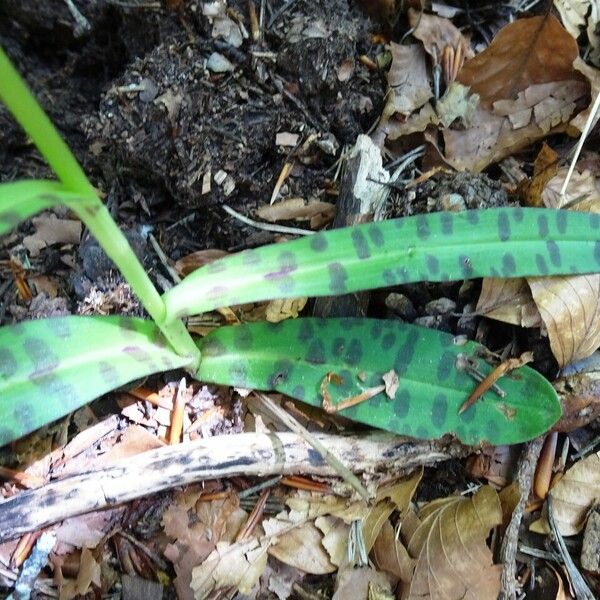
(266, 226)
(342, 470)
(163, 259)
(246, 454)
(82, 25)
(508, 551)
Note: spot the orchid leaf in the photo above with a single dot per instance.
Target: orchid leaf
(51, 367)
(505, 242)
(345, 358)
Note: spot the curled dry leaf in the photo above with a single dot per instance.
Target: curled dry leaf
(363, 583)
(570, 309)
(573, 496)
(297, 209)
(579, 395)
(526, 52)
(437, 33)
(390, 555)
(453, 560)
(545, 167)
(407, 79)
(572, 14)
(583, 188)
(509, 301)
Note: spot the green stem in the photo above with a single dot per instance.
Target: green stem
(29, 114)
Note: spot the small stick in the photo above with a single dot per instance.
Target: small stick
(254, 24)
(177, 413)
(503, 368)
(289, 421)
(464, 364)
(266, 226)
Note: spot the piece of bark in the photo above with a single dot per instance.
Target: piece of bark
(590, 551)
(361, 195)
(246, 454)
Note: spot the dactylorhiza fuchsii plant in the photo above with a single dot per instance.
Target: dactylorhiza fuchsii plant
(51, 367)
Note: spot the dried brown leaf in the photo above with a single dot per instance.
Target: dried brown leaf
(238, 565)
(593, 77)
(190, 262)
(335, 538)
(573, 496)
(390, 555)
(297, 209)
(360, 583)
(545, 167)
(583, 188)
(570, 309)
(453, 560)
(50, 230)
(437, 33)
(509, 301)
(514, 124)
(526, 52)
(407, 79)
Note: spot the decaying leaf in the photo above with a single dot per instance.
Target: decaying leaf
(583, 189)
(570, 309)
(545, 167)
(437, 33)
(297, 209)
(408, 80)
(236, 565)
(453, 560)
(361, 583)
(335, 538)
(50, 230)
(527, 52)
(537, 111)
(573, 496)
(593, 77)
(288, 308)
(190, 262)
(509, 301)
(390, 555)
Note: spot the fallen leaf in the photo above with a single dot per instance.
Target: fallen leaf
(296, 209)
(570, 309)
(572, 14)
(50, 230)
(527, 52)
(545, 167)
(407, 79)
(357, 583)
(573, 496)
(593, 76)
(583, 189)
(449, 545)
(509, 301)
(236, 565)
(335, 538)
(513, 125)
(390, 555)
(89, 572)
(391, 381)
(299, 546)
(437, 33)
(190, 262)
(288, 308)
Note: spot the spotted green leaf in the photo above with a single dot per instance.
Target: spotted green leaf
(296, 357)
(51, 367)
(506, 242)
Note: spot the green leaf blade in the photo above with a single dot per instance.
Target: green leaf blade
(51, 367)
(295, 357)
(505, 242)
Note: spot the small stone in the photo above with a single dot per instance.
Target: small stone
(217, 63)
(401, 305)
(441, 306)
(148, 90)
(453, 202)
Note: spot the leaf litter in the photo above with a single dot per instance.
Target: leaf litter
(528, 85)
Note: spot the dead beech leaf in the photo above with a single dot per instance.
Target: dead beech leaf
(359, 583)
(407, 79)
(297, 209)
(301, 547)
(49, 230)
(583, 188)
(389, 498)
(390, 555)
(527, 52)
(88, 573)
(335, 538)
(238, 565)
(513, 125)
(593, 76)
(509, 301)
(573, 496)
(545, 167)
(453, 560)
(190, 262)
(437, 33)
(281, 309)
(570, 309)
